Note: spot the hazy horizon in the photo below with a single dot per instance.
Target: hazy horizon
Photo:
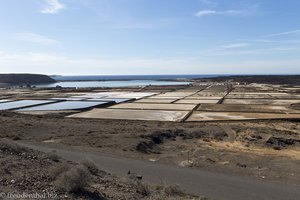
(89, 75)
(140, 37)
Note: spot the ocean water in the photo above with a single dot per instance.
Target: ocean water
(110, 83)
(122, 80)
(129, 77)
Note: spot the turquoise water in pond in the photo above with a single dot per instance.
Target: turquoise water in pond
(87, 84)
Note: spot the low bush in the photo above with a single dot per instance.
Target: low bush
(73, 180)
(55, 171)
(173, 190)
(91, 166)
(53, 156)
(140, 187)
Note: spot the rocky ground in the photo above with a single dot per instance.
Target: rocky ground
(267, 149)
(263, 149)
(27, 172)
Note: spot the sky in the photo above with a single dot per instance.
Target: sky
(132, 37)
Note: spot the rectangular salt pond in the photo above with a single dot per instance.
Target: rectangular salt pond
(116, 100)
(4, 100)
(246, 108)
(261, 101)
(99, 95)
(200, 101)
(68, 99)
(117, 95)
(136, 95)
(198, 116)
(155, 115)
(22, 103)
(152, 100)
(175, 94)
(155, 106)
(65, 105)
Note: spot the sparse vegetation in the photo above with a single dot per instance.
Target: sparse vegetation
(173, 190)
(55, 171)
(158, 191)
(77, 178)
(74, 179)
(91, 166)
(141, 187)
(53, 156)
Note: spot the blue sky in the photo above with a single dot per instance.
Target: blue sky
(108, 37)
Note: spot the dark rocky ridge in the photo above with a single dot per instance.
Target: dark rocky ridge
(265, 79)
(24, 79)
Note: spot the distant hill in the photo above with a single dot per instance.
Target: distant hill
(24, 79)
(265, 79)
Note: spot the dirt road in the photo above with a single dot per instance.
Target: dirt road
(215, 185)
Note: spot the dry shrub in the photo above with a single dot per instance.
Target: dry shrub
(91, 166)
(73, 180)
(143, 189)
(53, 156)
(140, 187)
(173, 190)
(168, 192)
(57, 170)
(16, 137)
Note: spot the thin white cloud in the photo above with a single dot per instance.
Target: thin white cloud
(209, 3)
(205, 12)
(60, 64)
(202, 13)
(36, 38)
(284, 33)
(52, 7)
(235, 45)
(245, 10)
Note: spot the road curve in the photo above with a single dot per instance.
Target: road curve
(215, 185)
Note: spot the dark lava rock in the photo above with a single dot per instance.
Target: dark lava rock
(281, 142)
(241, 165)
(277, 148)
(156, 138)
(159, 137)
(147, 147)
(207, 133)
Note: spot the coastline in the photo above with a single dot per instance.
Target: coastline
(264, 78)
